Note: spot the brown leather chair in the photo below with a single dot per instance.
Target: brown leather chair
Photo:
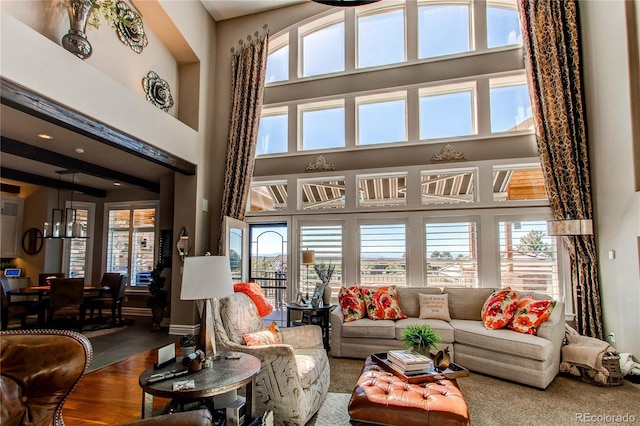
(110, 299)
(66, 300)
(17, 308)
(40, 368)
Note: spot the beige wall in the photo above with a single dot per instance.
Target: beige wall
(617, 205)
(30, 49)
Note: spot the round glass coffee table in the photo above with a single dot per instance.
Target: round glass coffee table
(225, 375)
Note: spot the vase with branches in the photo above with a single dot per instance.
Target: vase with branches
(325, 272)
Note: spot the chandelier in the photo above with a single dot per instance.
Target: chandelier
(345, 3)
(63, 222)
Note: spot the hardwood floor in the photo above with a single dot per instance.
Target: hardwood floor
(110, 395)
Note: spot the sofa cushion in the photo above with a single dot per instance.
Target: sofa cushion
(352, 304)
(499, 308)
(239, 315)
(408, 299)
(379, 329)
(473, 333)
(467, 303)
(530, 313)
(443, 328)
(310, 363)
(382, 303)
(435, 306)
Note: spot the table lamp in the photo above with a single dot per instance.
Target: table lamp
(308, 258)
(203, 278)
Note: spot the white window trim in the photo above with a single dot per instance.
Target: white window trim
(91, 219)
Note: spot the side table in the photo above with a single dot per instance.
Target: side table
(318, 316)
(225, 375)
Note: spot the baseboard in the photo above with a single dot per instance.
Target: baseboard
(182, 329)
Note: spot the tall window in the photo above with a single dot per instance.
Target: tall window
(273, 133)
(383, 254)
(452, 258)
(322, 125)
(382, 119)
(323, 50)
(510, 104)
(528, 257)
(443, 29)
(131, 241)
(278, 60)
(503, 25)
(447, 111)
(381, 38)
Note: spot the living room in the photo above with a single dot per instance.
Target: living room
(200, 68)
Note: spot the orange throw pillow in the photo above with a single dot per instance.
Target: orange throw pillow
(499, 308)
(255, 292)
(530, 313)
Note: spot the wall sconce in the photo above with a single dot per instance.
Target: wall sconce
(184, 243)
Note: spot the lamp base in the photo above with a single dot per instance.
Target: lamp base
(207, 341)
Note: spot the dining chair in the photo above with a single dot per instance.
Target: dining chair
(17, 308)
(66, 300)
(110, 299)
(42, 278)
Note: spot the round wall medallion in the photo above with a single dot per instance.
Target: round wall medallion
(32, 241)
(129, 28)
(158, 91)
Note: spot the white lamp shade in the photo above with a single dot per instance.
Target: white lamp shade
(206, 277)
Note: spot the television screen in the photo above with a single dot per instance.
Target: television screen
(12, 272)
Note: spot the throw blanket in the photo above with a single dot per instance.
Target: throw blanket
(587, 352)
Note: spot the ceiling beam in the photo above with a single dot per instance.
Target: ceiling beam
(21, 149)
(27, 101)
(50, 183)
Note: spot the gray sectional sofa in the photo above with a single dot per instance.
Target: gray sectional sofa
(529, 359)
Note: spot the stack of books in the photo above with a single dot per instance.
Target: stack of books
(410, 362)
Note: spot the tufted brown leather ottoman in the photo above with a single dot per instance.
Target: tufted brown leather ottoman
(382, 398)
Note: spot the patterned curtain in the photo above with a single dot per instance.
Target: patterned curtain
(550, 36)
(248, 67)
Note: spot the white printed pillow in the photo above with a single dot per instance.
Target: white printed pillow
(434, 306)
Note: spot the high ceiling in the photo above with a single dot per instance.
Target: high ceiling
(97, 165)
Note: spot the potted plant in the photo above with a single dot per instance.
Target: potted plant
(83, 12)
(159, 298)
(421, 338)
(188, 344)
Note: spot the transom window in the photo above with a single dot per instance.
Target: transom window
(273, 134)
(382, 118)
(510, 104)
(447, 111)
(503, 23)
(322, 125)
(323, 49)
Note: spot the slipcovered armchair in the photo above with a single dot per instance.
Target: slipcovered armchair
(294, 377)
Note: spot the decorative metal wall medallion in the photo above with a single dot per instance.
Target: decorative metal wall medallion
(129, 28)
(448, 153)
(319, 164)
(158, 91)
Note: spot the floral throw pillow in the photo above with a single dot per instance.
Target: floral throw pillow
(269, 336)
(530, 313)
(352, 303)
(499, 308)
(382, 303)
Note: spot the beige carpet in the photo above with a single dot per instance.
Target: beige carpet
(494, 402)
